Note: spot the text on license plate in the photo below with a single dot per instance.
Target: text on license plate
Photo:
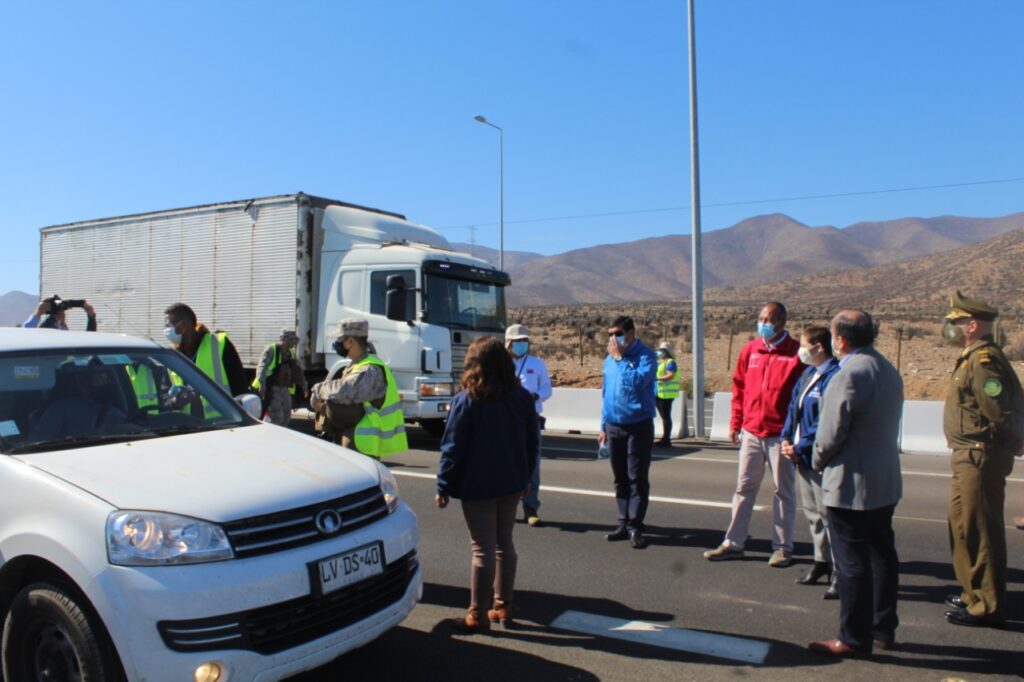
(350, 567)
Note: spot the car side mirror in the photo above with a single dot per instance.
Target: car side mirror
(396, 299)
(251, 404)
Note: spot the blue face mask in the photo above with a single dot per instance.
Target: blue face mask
(520, 348)
(621, 340)
(765, 330)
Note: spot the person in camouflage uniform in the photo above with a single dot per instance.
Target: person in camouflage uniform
(981, 421)
(279, 376)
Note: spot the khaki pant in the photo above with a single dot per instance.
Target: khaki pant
(977, 536)
(755, 454)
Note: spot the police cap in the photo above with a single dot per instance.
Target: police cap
(961, 308)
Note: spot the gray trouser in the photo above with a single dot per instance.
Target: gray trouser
(812, 499)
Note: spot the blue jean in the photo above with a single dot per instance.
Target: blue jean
(532, 498)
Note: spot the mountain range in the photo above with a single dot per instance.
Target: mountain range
(15, 306)
(762, 249)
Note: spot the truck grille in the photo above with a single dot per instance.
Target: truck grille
(458, 360)
(296, 527)
(271, 629)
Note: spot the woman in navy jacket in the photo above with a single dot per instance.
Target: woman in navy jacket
(798, 444)
(488, 453)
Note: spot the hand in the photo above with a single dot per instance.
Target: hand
(42, 308)
(788, 451)
(305, 392)
(601, 438)
(441, 501)
(613, 348)
(734, 436)
(89, 310)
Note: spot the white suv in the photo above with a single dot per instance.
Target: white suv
(151, 529)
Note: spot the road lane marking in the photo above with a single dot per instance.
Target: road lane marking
(691, 458)
(604, 493)
(666, 637)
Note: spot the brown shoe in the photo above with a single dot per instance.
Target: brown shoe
(471, 624)
(501, 612)
(838, 648)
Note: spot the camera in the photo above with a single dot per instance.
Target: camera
(58, 304)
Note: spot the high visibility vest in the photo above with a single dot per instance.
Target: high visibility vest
(143, 384)
(210, 359)
(381, 432)
(667, 390)
(274, 362)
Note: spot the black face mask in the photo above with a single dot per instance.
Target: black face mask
(340, 349)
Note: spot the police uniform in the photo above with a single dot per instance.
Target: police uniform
(981, 426)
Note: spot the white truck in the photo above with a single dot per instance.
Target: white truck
(253, 267)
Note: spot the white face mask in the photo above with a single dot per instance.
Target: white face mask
(806, 356)
(171, 335)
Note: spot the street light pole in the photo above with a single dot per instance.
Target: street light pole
(501, 189)
(696, 265)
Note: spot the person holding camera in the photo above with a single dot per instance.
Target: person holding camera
(50, 314)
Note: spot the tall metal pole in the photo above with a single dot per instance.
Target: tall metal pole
(696, 265)
(501, 189)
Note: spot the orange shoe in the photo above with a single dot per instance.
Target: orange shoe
(471, 624)
(501, 612)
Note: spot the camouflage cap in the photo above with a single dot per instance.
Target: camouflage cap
(516, 332)
(288, 334)
(352, 326)
(962, 308)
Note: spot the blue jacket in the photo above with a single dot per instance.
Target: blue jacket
(628, 389)
(807, 416)
(489, 448)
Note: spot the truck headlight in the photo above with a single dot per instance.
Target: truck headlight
(144, 538)
(432, 390)
(388, 487)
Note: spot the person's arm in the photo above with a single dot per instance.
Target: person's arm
(789, 428)
(264, 367)
(739, 378)
(453, 447)
(532, 434)
(90, 316)
(994, 392)
(670, 371)
(543, 381)
(640, 377)
(837, 408)
(233, 368)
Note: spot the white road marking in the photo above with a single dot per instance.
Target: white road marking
(717, 460)
(692, 641)
(604, 493)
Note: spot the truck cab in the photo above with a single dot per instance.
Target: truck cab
(447, 300)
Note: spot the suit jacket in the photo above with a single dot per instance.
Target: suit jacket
(857, 444)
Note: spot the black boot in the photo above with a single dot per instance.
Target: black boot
(819, 569)
(833, 588)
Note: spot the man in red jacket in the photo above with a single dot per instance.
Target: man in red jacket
(762, 383)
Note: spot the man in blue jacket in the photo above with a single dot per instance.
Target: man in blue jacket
(627, 426)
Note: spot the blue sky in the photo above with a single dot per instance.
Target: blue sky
(114, 108)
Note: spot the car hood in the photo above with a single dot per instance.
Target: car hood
(215, 475)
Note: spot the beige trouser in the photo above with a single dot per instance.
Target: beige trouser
(755, 453)
(490, 525)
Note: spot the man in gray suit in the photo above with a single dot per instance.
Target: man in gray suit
(857, 450)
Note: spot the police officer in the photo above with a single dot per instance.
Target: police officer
(278, 376)
(981, 422)
(362, 408)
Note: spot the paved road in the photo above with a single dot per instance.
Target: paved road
(664, 613)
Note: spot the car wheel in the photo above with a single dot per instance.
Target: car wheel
(435, 427)
(49, 636)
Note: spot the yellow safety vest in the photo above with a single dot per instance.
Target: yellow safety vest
(143, 384)
(274, 362)
(210, 359)
(667, 390)
(381, 432)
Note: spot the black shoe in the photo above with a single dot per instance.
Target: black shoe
(954, 601)
(964, 617)
(832, 592)
(664, 443)
(619, 533)
(819, 569)
(637, 540)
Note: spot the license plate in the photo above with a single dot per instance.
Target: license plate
(347, 568)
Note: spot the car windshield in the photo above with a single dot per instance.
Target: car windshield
(56, 400)
(465, 304)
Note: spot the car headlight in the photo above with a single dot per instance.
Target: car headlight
(388, 487)
(144, 538)
(435, 390)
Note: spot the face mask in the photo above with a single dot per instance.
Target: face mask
(953, 333)
(765, 330)
(620, 339)
(805, 355)
(171, 335)
(340, 349)
(660, 354)
(520, 348)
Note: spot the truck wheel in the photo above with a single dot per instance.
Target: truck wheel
(435, 427)
(49, 636)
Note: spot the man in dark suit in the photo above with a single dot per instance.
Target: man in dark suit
(857, 450)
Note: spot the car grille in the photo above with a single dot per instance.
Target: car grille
(296, 527)
(271, 629)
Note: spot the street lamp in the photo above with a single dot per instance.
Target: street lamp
(696, 266)
(501, 189)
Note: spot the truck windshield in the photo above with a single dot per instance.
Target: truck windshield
(463, 304)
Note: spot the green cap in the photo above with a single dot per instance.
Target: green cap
(962, 308)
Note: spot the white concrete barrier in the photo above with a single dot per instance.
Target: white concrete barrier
(574, 409)
(921, 429)
(721, 417)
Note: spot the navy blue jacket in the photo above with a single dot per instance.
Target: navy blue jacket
(489, 448)
(807, 416)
